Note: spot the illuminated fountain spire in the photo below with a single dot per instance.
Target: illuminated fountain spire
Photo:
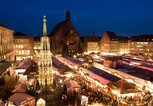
(45, 59)
(44, 27)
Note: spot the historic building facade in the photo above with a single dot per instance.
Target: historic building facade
(23, 46)
(123, 45)
(37, 45)
(91, 44)
(137, 45)
(109, 43)
(142, 45)
(45, 60)
(64, 38)
(6, 43)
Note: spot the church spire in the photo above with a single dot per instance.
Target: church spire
(68, 15)
(44, 26)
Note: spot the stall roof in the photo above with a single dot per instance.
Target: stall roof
(25, 64)
(143, 69)
(104, 74)
(123, 87)
(125, 75)
(17, 98)
(74, 60)
(21, 87)
(4, 66)
(33, 69)
(57, 63)
(102, 80)
(147, 65)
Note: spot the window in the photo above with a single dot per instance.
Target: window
(19, 52)
(23, 52)
(28, 52)
(16, 51)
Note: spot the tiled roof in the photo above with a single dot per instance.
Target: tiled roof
(142, 38)
(92, 39)
(17, 98)
(4, 65)
(123, 87)
(21, 35)
(32, 69)
(114, 37)
(37, 38)
(4, 27)
(25, 64)
(123, 38)
(111, 35)
(63, 28)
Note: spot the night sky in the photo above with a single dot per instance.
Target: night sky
(124, 17)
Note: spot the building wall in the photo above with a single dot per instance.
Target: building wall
(92, 47)
(105, 43)
(109, 45)
(64, 38)
(114, 47)
(142, 47)
(23, 47)
(67, 45)
(37, 47)
(6, 44)
(71, 43)
(90, 44)
(123, 48)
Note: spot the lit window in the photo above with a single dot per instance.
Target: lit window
(21, 46)
(16, 51)
(28, 52)
(19, 52)
(22, 52)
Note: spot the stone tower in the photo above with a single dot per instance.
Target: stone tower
(45, 60)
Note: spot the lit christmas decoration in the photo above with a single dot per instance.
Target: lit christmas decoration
(45, 60)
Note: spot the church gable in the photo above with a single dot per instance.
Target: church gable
(65, 37)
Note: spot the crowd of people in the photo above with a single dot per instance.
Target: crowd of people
(94, 96)
(141, 99)
(101, 97)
